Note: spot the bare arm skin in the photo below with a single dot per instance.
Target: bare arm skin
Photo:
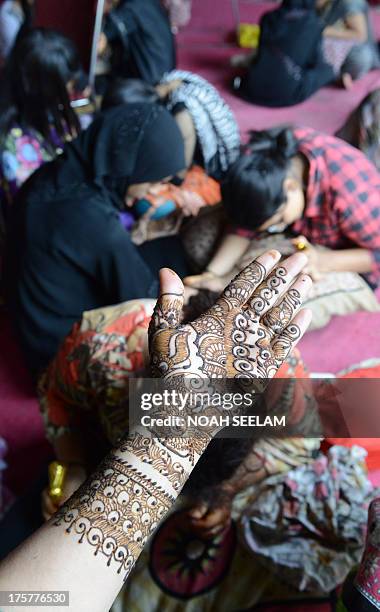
(347, 260)
(220, 269)
(355, 29)
(186, 125)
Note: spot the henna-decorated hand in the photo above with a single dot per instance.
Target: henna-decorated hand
(247, 333)
(209, 519)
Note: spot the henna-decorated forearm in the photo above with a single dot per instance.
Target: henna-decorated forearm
(119, 507)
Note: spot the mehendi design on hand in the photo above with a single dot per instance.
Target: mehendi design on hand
(281, 315)
(247, 334)
(234, 338)
(168, 311)
(265, 293)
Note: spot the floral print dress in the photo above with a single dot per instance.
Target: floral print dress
(24, 151)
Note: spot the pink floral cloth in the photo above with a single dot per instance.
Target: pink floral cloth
(368, 578)
(309, 527)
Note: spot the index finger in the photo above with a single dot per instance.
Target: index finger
(240, 289)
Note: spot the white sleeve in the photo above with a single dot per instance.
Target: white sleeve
(10, 24)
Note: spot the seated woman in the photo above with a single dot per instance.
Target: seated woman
(138, 35)
(211, 137)
(36, 117)
(307, 183)
(67, 250)
(289, 66)
(349, 43)
(208, 125)
(362, 128)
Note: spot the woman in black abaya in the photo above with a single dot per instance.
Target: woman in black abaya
(139, 37)
(289, 66)
(68, 252)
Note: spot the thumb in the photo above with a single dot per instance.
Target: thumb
(170, 283)
(168, 310)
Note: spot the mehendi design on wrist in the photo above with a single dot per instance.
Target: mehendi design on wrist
(115, 512)
(122, 504)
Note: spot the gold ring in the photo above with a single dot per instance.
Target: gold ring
(301, 245)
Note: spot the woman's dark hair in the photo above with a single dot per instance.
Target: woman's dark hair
(253, 188)
(39, 68)
(128, 91)
(27, 7)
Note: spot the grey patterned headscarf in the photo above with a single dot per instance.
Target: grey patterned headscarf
(215, 125)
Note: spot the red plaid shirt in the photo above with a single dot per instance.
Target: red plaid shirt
(342, 198)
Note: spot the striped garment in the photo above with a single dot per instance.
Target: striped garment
(215, 125)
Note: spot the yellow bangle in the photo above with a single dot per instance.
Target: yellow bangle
(57, 476)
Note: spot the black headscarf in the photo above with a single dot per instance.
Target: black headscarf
(298, 4)
(141, 40)
(131, 144)
(288, 23)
